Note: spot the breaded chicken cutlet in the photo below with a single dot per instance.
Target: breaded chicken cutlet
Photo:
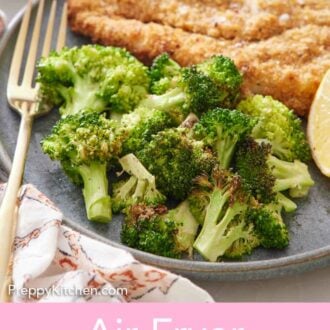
(288, 66)
(241, 20)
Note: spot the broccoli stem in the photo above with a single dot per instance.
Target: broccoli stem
(290, 175)
(187, 226)
(165, 102)
(95, 191)
(126, 189)
(288, 204)
(133, 166)
(151, 192)
(224, 244)
(83, 96)
(213, 240)
(225, 149)
(277, 148)
(141, 186)
(139, 190)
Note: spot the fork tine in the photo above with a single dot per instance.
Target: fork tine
(49, 31)
(30, 63)
(62, 29)
(19, 48)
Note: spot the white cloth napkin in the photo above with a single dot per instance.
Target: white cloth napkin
(53, 263)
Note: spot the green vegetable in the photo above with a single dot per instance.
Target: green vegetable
(190, 91)
(193, 92)
(222, 129)
(269, 226)
(140, 187)
(180, 91)
(92, 78)
(287, 204)
(264, 174)
(224, 73)
(199, 197)
(176, 159)
(215, 82)
(140, 125)
(183, 142)
(84, 144)
(164, 74)
(277, 125)
(234, 222)
(159, 231)
(226, 231)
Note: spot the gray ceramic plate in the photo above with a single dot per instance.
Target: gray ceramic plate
(309, 227)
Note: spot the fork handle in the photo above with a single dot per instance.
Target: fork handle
(9, 206)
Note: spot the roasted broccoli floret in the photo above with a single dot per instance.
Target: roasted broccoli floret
(159, 231)
(279, 126)
(251, 164)
(193, 92)
(292, 176)
(184, 91)
(164, 74)
(175, 159)
(84, 144)
(226, 231)
(92, 78)
(264, 174)
(222, 129)
(149, 118)
(224, 73)
(269, 228)
(140, 187)
(269, 225)
(145, 229)
(215, 82)
(140, 125)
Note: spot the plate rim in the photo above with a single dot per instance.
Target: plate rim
(239, 270)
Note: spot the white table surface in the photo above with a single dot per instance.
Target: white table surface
(306, 287)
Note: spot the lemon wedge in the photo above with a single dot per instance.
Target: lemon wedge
(318, 127)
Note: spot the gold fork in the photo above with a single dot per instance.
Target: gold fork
(22, 97)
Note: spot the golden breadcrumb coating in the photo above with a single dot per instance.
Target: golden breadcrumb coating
(287, 66)
(244, 20)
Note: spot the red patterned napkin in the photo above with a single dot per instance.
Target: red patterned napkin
(53, 263)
